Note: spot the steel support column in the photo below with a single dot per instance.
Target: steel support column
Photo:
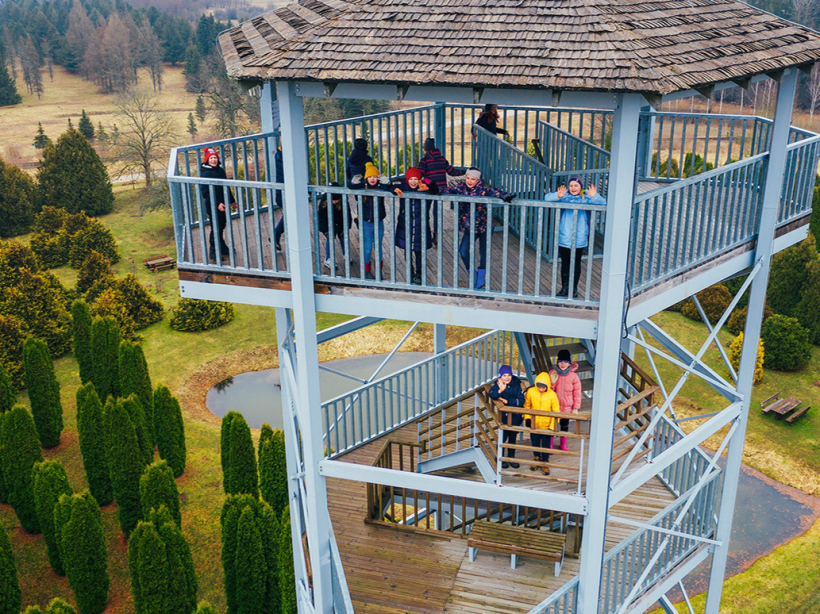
(751, 334)
(308, 399)
(607, 358)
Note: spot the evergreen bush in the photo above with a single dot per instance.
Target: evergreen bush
(157, 488)
(142, 307)
(193, 315)
(229, 520)
(8, 396)
(95, 268)
(664, 167)
(58, 606)
(72, 177)
(93, 237)
(206, 608)
(93, 447)
(181, 563)
(83, 550)
(20, 451)
(689, 170)
(81, 332)
(15, 258)
(287, 575)
(239, 475)
(169, 429)
(11, 349)
(737, 321)
(50, 483)
(714, 301)
(105, 346)
(134, 408)
(11, 597)
(735, 350)
(787, 343)
(110, 304)
(17, 201)
(125, 462)
(4, 494)
(787, 275)
(808, 309)
(134, 379)
(273, 471)
(43, 392)
(251, 568)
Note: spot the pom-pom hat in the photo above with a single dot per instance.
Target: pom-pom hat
(412, 172)
(370, 170)
(209, 151)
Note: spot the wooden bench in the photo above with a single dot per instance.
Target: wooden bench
(516, 541)
(160, 263)
(779, 407)
(798, 414)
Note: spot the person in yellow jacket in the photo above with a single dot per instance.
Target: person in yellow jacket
(542, 398)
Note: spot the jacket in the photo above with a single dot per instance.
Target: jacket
(279, 162)
(383, 185)
(356, 162)
(567, 388)
(581, 226)
(417, 213)
(436, 168)
(514, 397)
(548, 401)
(480, 189)
(490, 124)
(339, 211)
(206, 171)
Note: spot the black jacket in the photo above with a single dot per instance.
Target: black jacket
(206, 171)
(420, 209)
(367, 201)
(514, 397)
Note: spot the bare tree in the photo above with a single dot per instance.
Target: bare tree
(31, 68)
(804, 12)
(149, 52)
(145, 134)
(228, 104)
(814, 91)
(80, 30)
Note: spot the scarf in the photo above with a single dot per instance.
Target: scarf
(563, 371)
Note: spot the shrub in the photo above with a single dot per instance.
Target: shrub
(110, 304)
(251, 568)
(81, 330)
(229, 520)
(239, 471)
(125, 462)
(93, 447)
(83, 550)
(787, 275)
(93, 237)
(192, 315)
(180, 563)
(287, 576)
(105, 346)
(808, 309)
(737, 321)
(11, 349)
(134, 408)
(8, 396)
(698, 168)
(58, 606)
(273, 471)
(49, 250)
(143, 309)
(169, 429)
(661, 170)
(11, 597)
(814, 223)
(134, 379)
(72, 177)
(735, 350)
(206, 608)
(714, 301)
(14, 258)
(20, 452)
(157, 488)
(787, 343)
(94, 269)
(43, 392)
(50, 483)
(17, 198)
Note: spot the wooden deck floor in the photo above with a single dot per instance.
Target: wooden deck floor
(393, 571)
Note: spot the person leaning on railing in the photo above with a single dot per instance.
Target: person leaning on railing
(372, 180)
(507, 390)
(573, 192)
(421, 212)
(489, 120)
(541, 398)
(338, 221)
(211, 168)
(434, 165)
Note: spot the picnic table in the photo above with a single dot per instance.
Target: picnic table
(781, 407)
(160, 263)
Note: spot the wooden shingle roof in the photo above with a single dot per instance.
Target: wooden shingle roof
(648, 46)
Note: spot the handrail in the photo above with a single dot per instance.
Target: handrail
(799, 178)
(342, 604)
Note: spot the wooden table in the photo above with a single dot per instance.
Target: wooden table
(160, 264)
(782, 407)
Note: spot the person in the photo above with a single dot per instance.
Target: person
(473, 186)
(338, 221)
(358, 159)
(488, 119)
(420, 213)
(567, 386)
(372, 180)
(507, 390)
(541, 398)
(435, 166)
(211, 168)
(279, 161)
(573, 192)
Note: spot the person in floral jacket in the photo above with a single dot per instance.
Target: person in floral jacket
(473, 186)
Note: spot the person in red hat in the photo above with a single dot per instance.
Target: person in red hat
(420, 212)
(211, 168)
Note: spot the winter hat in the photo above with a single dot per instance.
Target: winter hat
(429, 144)
(576, 180)
(209, 151)
(370, 170)
(360, 143)
(412, 172)
(505, 370)
(564, 355)
(474, 173)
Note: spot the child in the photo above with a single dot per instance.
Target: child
(435, 166)
(358, 159)
(372, 181)
(507, 390)
(211, 168)
(421, 211)
(473, 186)
(541, 398)
(567, 386)
(565, 238)
(338, 221)
(489, 120)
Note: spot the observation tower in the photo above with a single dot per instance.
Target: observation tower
(401, 497)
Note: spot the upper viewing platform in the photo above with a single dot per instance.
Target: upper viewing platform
(695, 209)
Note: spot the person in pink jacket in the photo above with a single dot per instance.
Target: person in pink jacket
(567, 385)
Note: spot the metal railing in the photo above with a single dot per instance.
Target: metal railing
(341, 595)
(800, 174)
(564, 151)
(361, 415)
(684, 473)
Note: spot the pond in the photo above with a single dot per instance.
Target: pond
(258, 397)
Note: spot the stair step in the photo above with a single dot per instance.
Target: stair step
(574, 348)
(584, 366)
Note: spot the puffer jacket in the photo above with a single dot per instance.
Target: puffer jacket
(356, 162)
(514, 397)
(382, 185)
(567, 388)
(565, 224)
(436, 168)
(422, 211)
(479, 189)
(546, 401)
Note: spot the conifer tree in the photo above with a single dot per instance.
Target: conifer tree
(251, 568)
(808, 309)
(239, 469)
(4, 495)
(18, 195)
(180, 562)
(41, 140)
(80, 531)
(20, 451)
(50, 483)
(43, 392)
(94, 274)
(85, 126)
(273, 475)
(157, 488)
(225, 446)
(286, 575)
(93, 447)
(81, 328)
(192, 129)
(269, 529)
(105, 345)
(229, 520)
(8, 91)
(134, 408)
(11, 597)
(206, 608)
(58, 606)
(8, 396)
(125, 462)
(169, 429)
(788, 273)
(134, 379)
(201, 112)
(72, 176)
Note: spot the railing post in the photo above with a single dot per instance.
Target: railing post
(646, 129)
(757, 300)
(440, 128)
(439, 347)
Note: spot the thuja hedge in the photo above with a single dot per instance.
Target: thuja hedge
(50, 483)
(11, 597)
(93, 447)
(158, 488)
(238, 457)
(134, 408)
(169, 429)
(43, 392)
(126, 463)
(105, 345)
(134, 379)
(20, 451)
(193, 315)
(273, 471)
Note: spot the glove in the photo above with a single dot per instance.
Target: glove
(383, 180)
(508, 198)
(356, 179)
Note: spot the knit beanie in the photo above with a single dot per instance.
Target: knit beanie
(429, 144)
(208, 153)
(576, 180)
(412, 172)
(505, 370)
(564, 355)
(370, 170)
(360, 143)
(474, 173)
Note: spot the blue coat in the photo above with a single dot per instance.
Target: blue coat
(514, 397)
(356, 162)
(582, 224)
(420, 210)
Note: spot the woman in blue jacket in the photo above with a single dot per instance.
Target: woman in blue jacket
(573, 192)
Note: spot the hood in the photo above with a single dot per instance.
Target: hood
(434, 153)
(359, 156)
(543, 378)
